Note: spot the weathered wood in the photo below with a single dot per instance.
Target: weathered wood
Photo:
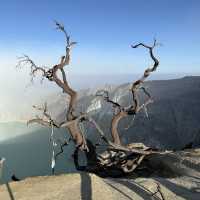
(117, 156)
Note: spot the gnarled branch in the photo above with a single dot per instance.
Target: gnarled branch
(127, 158)
(26, 60)
(72, 121)
(135, 107)
(46, 119)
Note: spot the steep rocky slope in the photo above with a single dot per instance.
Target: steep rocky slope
(173, 122)
(173, 117)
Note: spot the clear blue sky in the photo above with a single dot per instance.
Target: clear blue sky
(104, 29)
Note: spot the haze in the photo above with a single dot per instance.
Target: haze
(104, 31)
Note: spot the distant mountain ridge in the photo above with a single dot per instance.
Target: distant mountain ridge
(25, 95)
(175, 111)
(173, 123)
(173, 117)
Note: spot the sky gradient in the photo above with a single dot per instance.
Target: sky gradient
(104, 30)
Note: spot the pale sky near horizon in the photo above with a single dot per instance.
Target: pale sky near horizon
(104, 30)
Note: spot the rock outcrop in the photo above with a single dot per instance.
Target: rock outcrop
(175, 176)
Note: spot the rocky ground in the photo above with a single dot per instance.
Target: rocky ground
(174, 176)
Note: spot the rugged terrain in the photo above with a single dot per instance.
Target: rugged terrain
(173, 123)
(177, 175)
(173, 120)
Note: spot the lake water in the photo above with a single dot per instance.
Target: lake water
(30, 154)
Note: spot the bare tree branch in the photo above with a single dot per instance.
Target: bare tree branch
(65, 143)
(25, 60)
(65, 60)
(136, 107)
(148, 71)
(51, 74)
(126, 158)
(46, 120)
(105, 95)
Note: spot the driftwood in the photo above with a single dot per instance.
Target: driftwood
(117, 156)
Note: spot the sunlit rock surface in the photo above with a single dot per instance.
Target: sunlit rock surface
(177, 174)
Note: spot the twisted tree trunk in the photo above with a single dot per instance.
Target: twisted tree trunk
(117, 156)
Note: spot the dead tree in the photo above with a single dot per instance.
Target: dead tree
(121, 112)
(116, 156)
(72, 121)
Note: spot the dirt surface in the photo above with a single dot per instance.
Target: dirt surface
(70, 187)
(184, 183)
